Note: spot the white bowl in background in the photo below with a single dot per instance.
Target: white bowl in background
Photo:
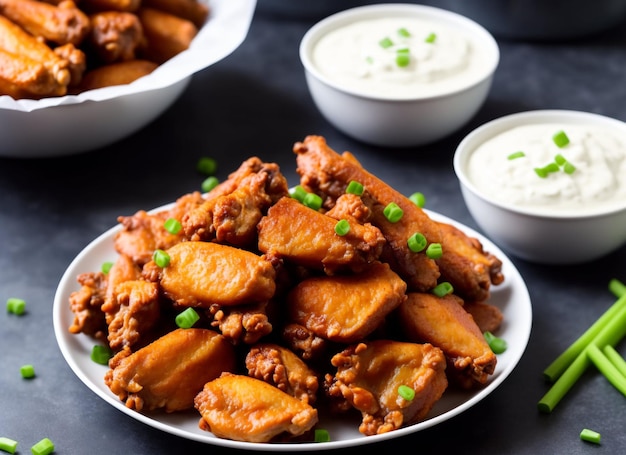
(555, 236)
(78, 123)
(401, 121)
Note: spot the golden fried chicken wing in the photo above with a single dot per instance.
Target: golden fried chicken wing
(86, 305)
(22, 77)
(282, 368)
(242, 323)
(166, 34)
(205, 273)
(466, 265)
(61, 24)
(327, 173)
(369, 374)
(115, 36)
(305, 343)
(110, 5)
(243, 408)
(169, 372)
(77, 62)
(488, 317)
(192, 10)
(117, 73)
(307, 237)
(346, 308)
(442, 321)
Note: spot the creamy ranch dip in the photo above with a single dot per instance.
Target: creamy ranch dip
(363, 56)
(589, 176)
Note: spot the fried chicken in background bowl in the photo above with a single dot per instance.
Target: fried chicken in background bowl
(80, 118)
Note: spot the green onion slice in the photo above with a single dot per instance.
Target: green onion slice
(321, 435)
(172, 225)
(8, 445)
(298, 193)
(161, 258)
(431, 38)
(442, 289)
(313, 201)
(569, 168)
(497, 344)
(101, 354)
(209, 183)
(106, 267)
(187, 318)
(434, 251)
(27, 371)
(403, 58)
(418, 199)
(342, 227)
(417, 242)
(590, 436)
(354, 187)
(403, 32)
(560, 139)
(385, 43)
(514, 156)
(43, 447)
(393, 212)
(207, 165)
(406, 392)
(16, 306)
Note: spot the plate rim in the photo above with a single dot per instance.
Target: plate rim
(62, 318)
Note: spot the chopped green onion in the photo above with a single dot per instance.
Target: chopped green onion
(417, 242)
(403, 58)
(298, 193)
(106, 267)
(406, 392)
(8, 445)
(590, 436)
(560, 139)
(27, 371)
(442, 289)
(569, 168)
(207, 165)
(431, 38)
(16, 306)
(43, 447)
(516, 155)
(209, 183)
(617, 288)
(616, 359)
(604, 365)
(187, 318)
(547, 169)
(172, 225)
(313, 201)
(385, 43)
(354, 187)
(101, 354)
(393, 212)
(403, 32)
(321, 435)
(342, 227)
(497, 344)
(434, 251)
(418, 199)
(559, 159)
(161, 258)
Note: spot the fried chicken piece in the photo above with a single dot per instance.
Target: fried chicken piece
(77, 62)
(86, 305)
(201, 274)
(60, 24)
(282, 368)
(143, 232)
(307, 237)
(25, 49)
(110, 5)
(169, 372)
(242, 323)
(304, 342)
(22, 77)
(138, 313)
(466, 265)
(346, 308)
(327, 173)
(369, 374)
(192, 10)
(166, 35)
(443, 321)
(488, 317)
(115, 36)
(118, 73)
(122, 270)
(242, 408)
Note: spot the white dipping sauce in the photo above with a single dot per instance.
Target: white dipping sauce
(352, 56)
(598, 182)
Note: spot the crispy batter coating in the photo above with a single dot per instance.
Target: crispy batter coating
(166, 34)
(118, 73)
(242, 408)
(444, 322)
(282, 368)
(307, 237)
(115, 35)
(205, 273)
(192, 10)
(325, 172)
(242, 323)
(86, 305)
(488, 317)
(346, 308)
(369, 374)
(168, 373)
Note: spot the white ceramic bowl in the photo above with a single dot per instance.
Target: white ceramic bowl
(574, 236)
(401, 121)
(72, 124)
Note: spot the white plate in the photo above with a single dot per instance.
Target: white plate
(511, 297)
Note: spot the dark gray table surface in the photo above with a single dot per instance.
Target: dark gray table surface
(255, 102)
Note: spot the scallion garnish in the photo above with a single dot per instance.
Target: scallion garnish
(417, 242)
(431, 38)
(298, 193)
(418, 199)
(313, 201)
(403, 57)
(434, 251)
(606, 367)
(559, 159)
(101, 354)
(8, 445)
(209, 183)
(516, 155)
(354, 187)
(106, 267)
(393, 212)
(342, 227)
(207, 165)
(16, 306)
(321, 435)
(497, 344)
(569, 168)
(590, 436)
(161, 258)
(403, 32)
(615, 358)
(547, 169)
(187, 318)
(442, 289)
(27, 371)
(406, 392)
(385, 43)
(560, 139)
(43, 447)
(172, 225)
